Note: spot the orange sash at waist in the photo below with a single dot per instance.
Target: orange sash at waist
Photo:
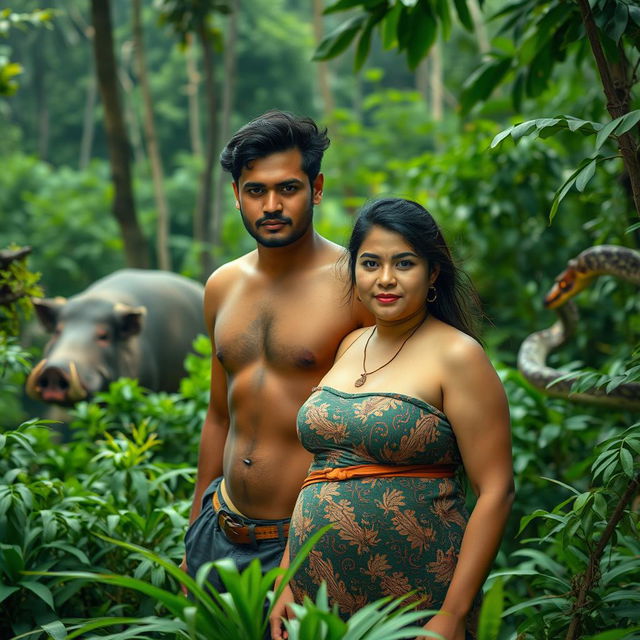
(380, 471)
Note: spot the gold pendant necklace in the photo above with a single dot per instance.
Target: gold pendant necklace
(363, 376)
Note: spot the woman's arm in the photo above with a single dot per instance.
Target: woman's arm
(475, 403)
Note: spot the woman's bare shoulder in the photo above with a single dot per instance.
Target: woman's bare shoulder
(456, 348)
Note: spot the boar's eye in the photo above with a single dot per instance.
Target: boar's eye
(102, 335)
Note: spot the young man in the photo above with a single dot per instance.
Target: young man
(276, 317)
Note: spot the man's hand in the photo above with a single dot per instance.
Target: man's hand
(183, 566)
(281, 610)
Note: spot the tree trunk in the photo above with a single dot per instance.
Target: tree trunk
(131, 117)
(617, 95)
(162, 225)
(123, 207)
(422, 79)
(479, 27)
(228, 95)
(584, 584)
(203, 205)
(42, 104)
(429, 82)
(193, 85)
(88, 124)
(323, 67)
(435, 82)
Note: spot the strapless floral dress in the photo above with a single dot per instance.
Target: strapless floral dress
(389, 535)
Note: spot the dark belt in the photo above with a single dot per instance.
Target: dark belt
(240, 533)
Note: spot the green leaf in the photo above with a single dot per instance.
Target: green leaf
(524, 129)
(615, 634)
(491, 612)
(444, 13)
(389, 27)
(339, 39)
(482, 82)
(626, 460)
(606, 131)
(343, 5)
(582, 500)
(423, 34)
(498, 138)
(6, 591)
(628, 121)
(562, 484)
(559, 196)
(534, 602)
(364, 43)
(619, 23)
(575, 124)
(55, 629)
(463, 14)
(600, 505)
(68, 548)
(582, 179)
(41, 590)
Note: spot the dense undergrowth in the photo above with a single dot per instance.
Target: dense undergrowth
(571, 552)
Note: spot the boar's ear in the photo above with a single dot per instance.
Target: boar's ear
(48, 310)
(129, 319)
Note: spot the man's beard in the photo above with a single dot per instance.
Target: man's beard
(276, 241)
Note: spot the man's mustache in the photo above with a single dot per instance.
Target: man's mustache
(270, 217)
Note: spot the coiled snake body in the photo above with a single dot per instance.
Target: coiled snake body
(580, 272)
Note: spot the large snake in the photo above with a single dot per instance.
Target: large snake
(580, 272)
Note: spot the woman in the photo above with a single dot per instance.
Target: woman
(407, 404)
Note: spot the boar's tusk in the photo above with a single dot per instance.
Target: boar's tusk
(32, 381)
(76, 390)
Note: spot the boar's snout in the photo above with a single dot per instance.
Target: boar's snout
(56, 384)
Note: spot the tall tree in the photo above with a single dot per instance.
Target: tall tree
(195, 17)
(157, 173)
(228, 95)
(328, 101)
(124, 209)
(193, 91)
(40, 77)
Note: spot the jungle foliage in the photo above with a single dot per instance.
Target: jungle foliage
(113, 499)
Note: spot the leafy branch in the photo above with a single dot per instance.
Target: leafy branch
(547, 127)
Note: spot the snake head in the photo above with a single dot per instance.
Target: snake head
(570, 282)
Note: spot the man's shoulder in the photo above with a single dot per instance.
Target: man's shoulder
(230, 270)
(333, 258)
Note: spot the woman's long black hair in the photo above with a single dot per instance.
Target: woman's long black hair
(457, 301)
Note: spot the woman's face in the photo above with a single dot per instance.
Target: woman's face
(392, 280)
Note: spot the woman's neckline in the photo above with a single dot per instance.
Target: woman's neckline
(388, 394)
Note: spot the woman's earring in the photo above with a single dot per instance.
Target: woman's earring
(435, 294)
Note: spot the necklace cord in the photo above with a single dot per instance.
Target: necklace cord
(365, 374)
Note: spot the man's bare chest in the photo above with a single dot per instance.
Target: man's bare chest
(296, 328)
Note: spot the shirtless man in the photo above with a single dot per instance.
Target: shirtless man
(275, 317)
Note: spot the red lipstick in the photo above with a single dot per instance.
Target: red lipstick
(386, 298)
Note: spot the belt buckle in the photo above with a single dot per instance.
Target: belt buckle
(230, 527)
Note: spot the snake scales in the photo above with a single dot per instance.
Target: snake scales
(621, 262)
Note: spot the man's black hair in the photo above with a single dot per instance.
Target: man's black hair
(272, 132)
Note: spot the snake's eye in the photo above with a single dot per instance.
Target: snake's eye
(563, 284)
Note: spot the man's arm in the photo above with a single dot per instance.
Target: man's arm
(216, 423)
